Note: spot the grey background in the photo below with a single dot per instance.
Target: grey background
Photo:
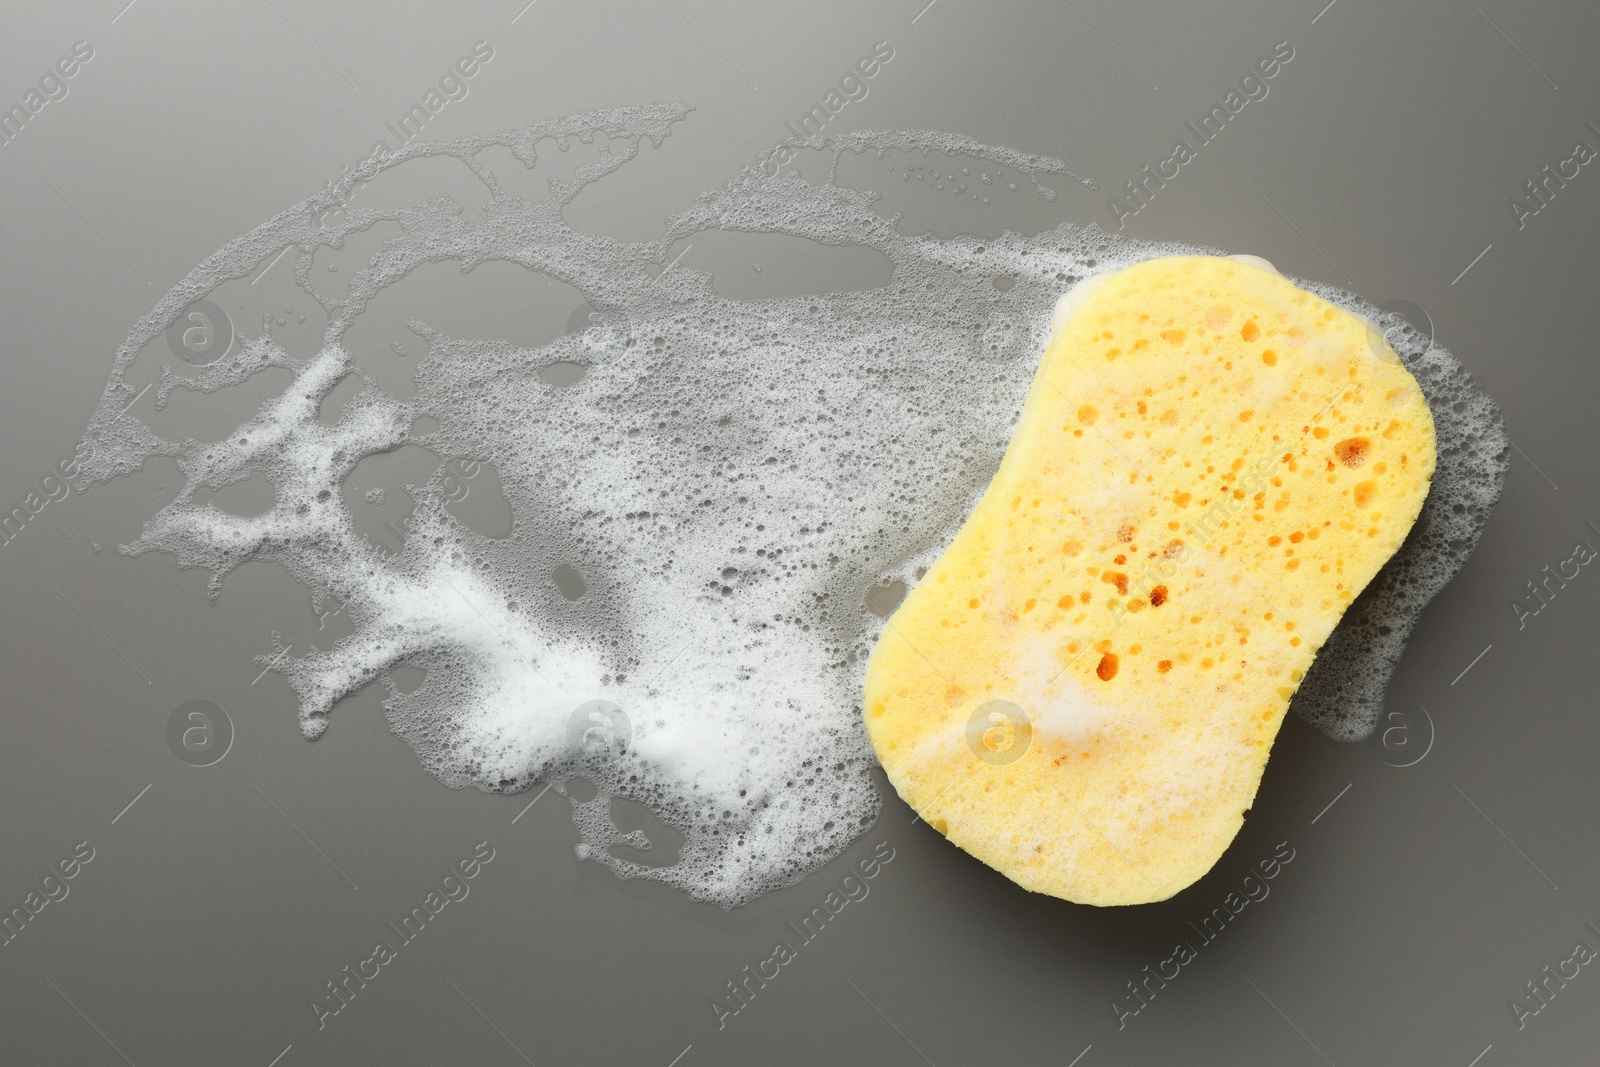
(215, 906)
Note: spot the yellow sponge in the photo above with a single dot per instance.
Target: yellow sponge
(1211, 464)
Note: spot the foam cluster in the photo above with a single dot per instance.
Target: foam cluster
(730, 478)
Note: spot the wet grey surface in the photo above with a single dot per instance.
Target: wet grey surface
(1455, 864)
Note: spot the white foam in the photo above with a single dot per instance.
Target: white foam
(1073, 299)
(729, 477)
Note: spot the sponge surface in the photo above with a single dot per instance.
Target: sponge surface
(1210, 465)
